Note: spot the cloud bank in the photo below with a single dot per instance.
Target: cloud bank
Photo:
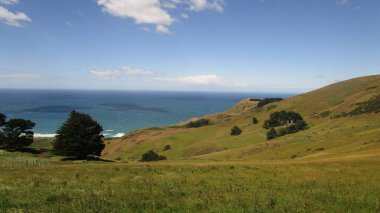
(157, 12)
(123, 71)
(11, 18)
(191, 80)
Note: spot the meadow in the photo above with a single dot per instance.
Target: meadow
(35, 184)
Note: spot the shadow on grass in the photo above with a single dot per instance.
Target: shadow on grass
(90, 158)
(27, 150)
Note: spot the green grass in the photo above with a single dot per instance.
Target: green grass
(189, 187)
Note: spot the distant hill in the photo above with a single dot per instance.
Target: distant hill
(342, 117)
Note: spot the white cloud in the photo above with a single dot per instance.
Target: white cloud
(162, 29)
(343, 2)
(184, 15)
(142, 11)
(199, 5)
(203, 80)
(20, 76)
(13, 19)
(69, 23)
(156, 11)
(8, 1)
(131, 71)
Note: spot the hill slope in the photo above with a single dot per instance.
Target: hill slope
(334, 133)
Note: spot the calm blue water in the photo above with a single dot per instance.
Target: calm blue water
(117, 111)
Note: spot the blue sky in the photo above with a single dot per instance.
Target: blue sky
(192, 45)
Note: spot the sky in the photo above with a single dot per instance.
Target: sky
(187, 45)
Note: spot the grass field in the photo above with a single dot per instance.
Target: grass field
(346, 186)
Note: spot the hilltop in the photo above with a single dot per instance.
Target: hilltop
(342, 117)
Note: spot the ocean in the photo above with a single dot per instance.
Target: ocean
(118, 112)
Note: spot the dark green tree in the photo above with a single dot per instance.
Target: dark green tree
(255, 121)
(80, 136)
(151, 156)
(235, 131)
(2, 123)
(17, 133)
(2, 119)
(272, 134)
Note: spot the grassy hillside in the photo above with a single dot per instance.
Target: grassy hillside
(330, 136)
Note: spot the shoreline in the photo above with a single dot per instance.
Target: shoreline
(50, 135)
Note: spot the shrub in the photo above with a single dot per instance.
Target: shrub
(272, 134)
(266, 101)
(235, 131)
(167, 147)
(255, 121)
(255, 99)
(324, 114)
(151, 156)
(198, 123)
(80, 136)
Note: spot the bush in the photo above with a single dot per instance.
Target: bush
(255, 99)
(198, 123)
(272, 134)
(324, 114)
(266, 101)
(80, 136)
(151, 156)
(235, 131)
(167, 147)
(255, 121)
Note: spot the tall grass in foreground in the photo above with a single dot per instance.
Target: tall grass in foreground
(99, 187)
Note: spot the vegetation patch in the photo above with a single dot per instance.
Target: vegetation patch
(371, 88)
(198, 123)
(267, 101)
(167, 147)
(235, 131)
(291, 122)
(371, 106)
(151, 156)
(324, 114)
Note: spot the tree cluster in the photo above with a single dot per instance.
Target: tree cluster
(266, 101)
(15, 133)
(198, 123)
(151, 156)
(292, 122)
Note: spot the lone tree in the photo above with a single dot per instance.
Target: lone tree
(151, 156)
(16, 133)
(80, 136)
(255, 121)
(235, 131)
